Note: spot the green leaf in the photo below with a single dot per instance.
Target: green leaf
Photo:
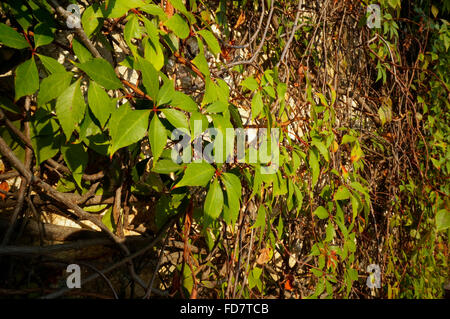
(330, 232)
(26, 80)
(44, 135)
(89, 127)
(154, 10)
(321, 212)
(257, 105)
(132, 30)
(260, 218)
(250, 83)
(130, 127)
(442, 220)
(322, 149)
(89, 20)
(53, 86)
(233, 194)
(178, 4)
(152, 48)
(101, 72)
(210, 92)
(166, 93)
(11, 38)
(43, 35)
(108, 220)
(197, 174)
(211, 40)
(82, 53)
(51, 64)
(314, 164)
(184, 102)
(76, 159)
(348, 139)
(70, 108)
(223, 90)
(100, 103)
(166, 166)
(117, 8)
(150, 77)
(178, 25)
(342, 193)
(217, 107)
(200, 61)
(158, 138)
(8, 105)
(176, 118)
(394, 3)
(214, 201)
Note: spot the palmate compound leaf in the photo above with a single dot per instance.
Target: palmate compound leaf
(70, 108)
(197, 174)
(127, 126)
(214, 201)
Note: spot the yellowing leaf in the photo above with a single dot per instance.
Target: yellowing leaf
(434, 11)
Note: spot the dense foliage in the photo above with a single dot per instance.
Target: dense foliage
(89, 108)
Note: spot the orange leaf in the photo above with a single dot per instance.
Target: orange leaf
(4, 186)
(288, 284)
(240, 20)
(2, 167)
(335, 147)
(169, 10)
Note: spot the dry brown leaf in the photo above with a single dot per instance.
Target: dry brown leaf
(264, 256)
